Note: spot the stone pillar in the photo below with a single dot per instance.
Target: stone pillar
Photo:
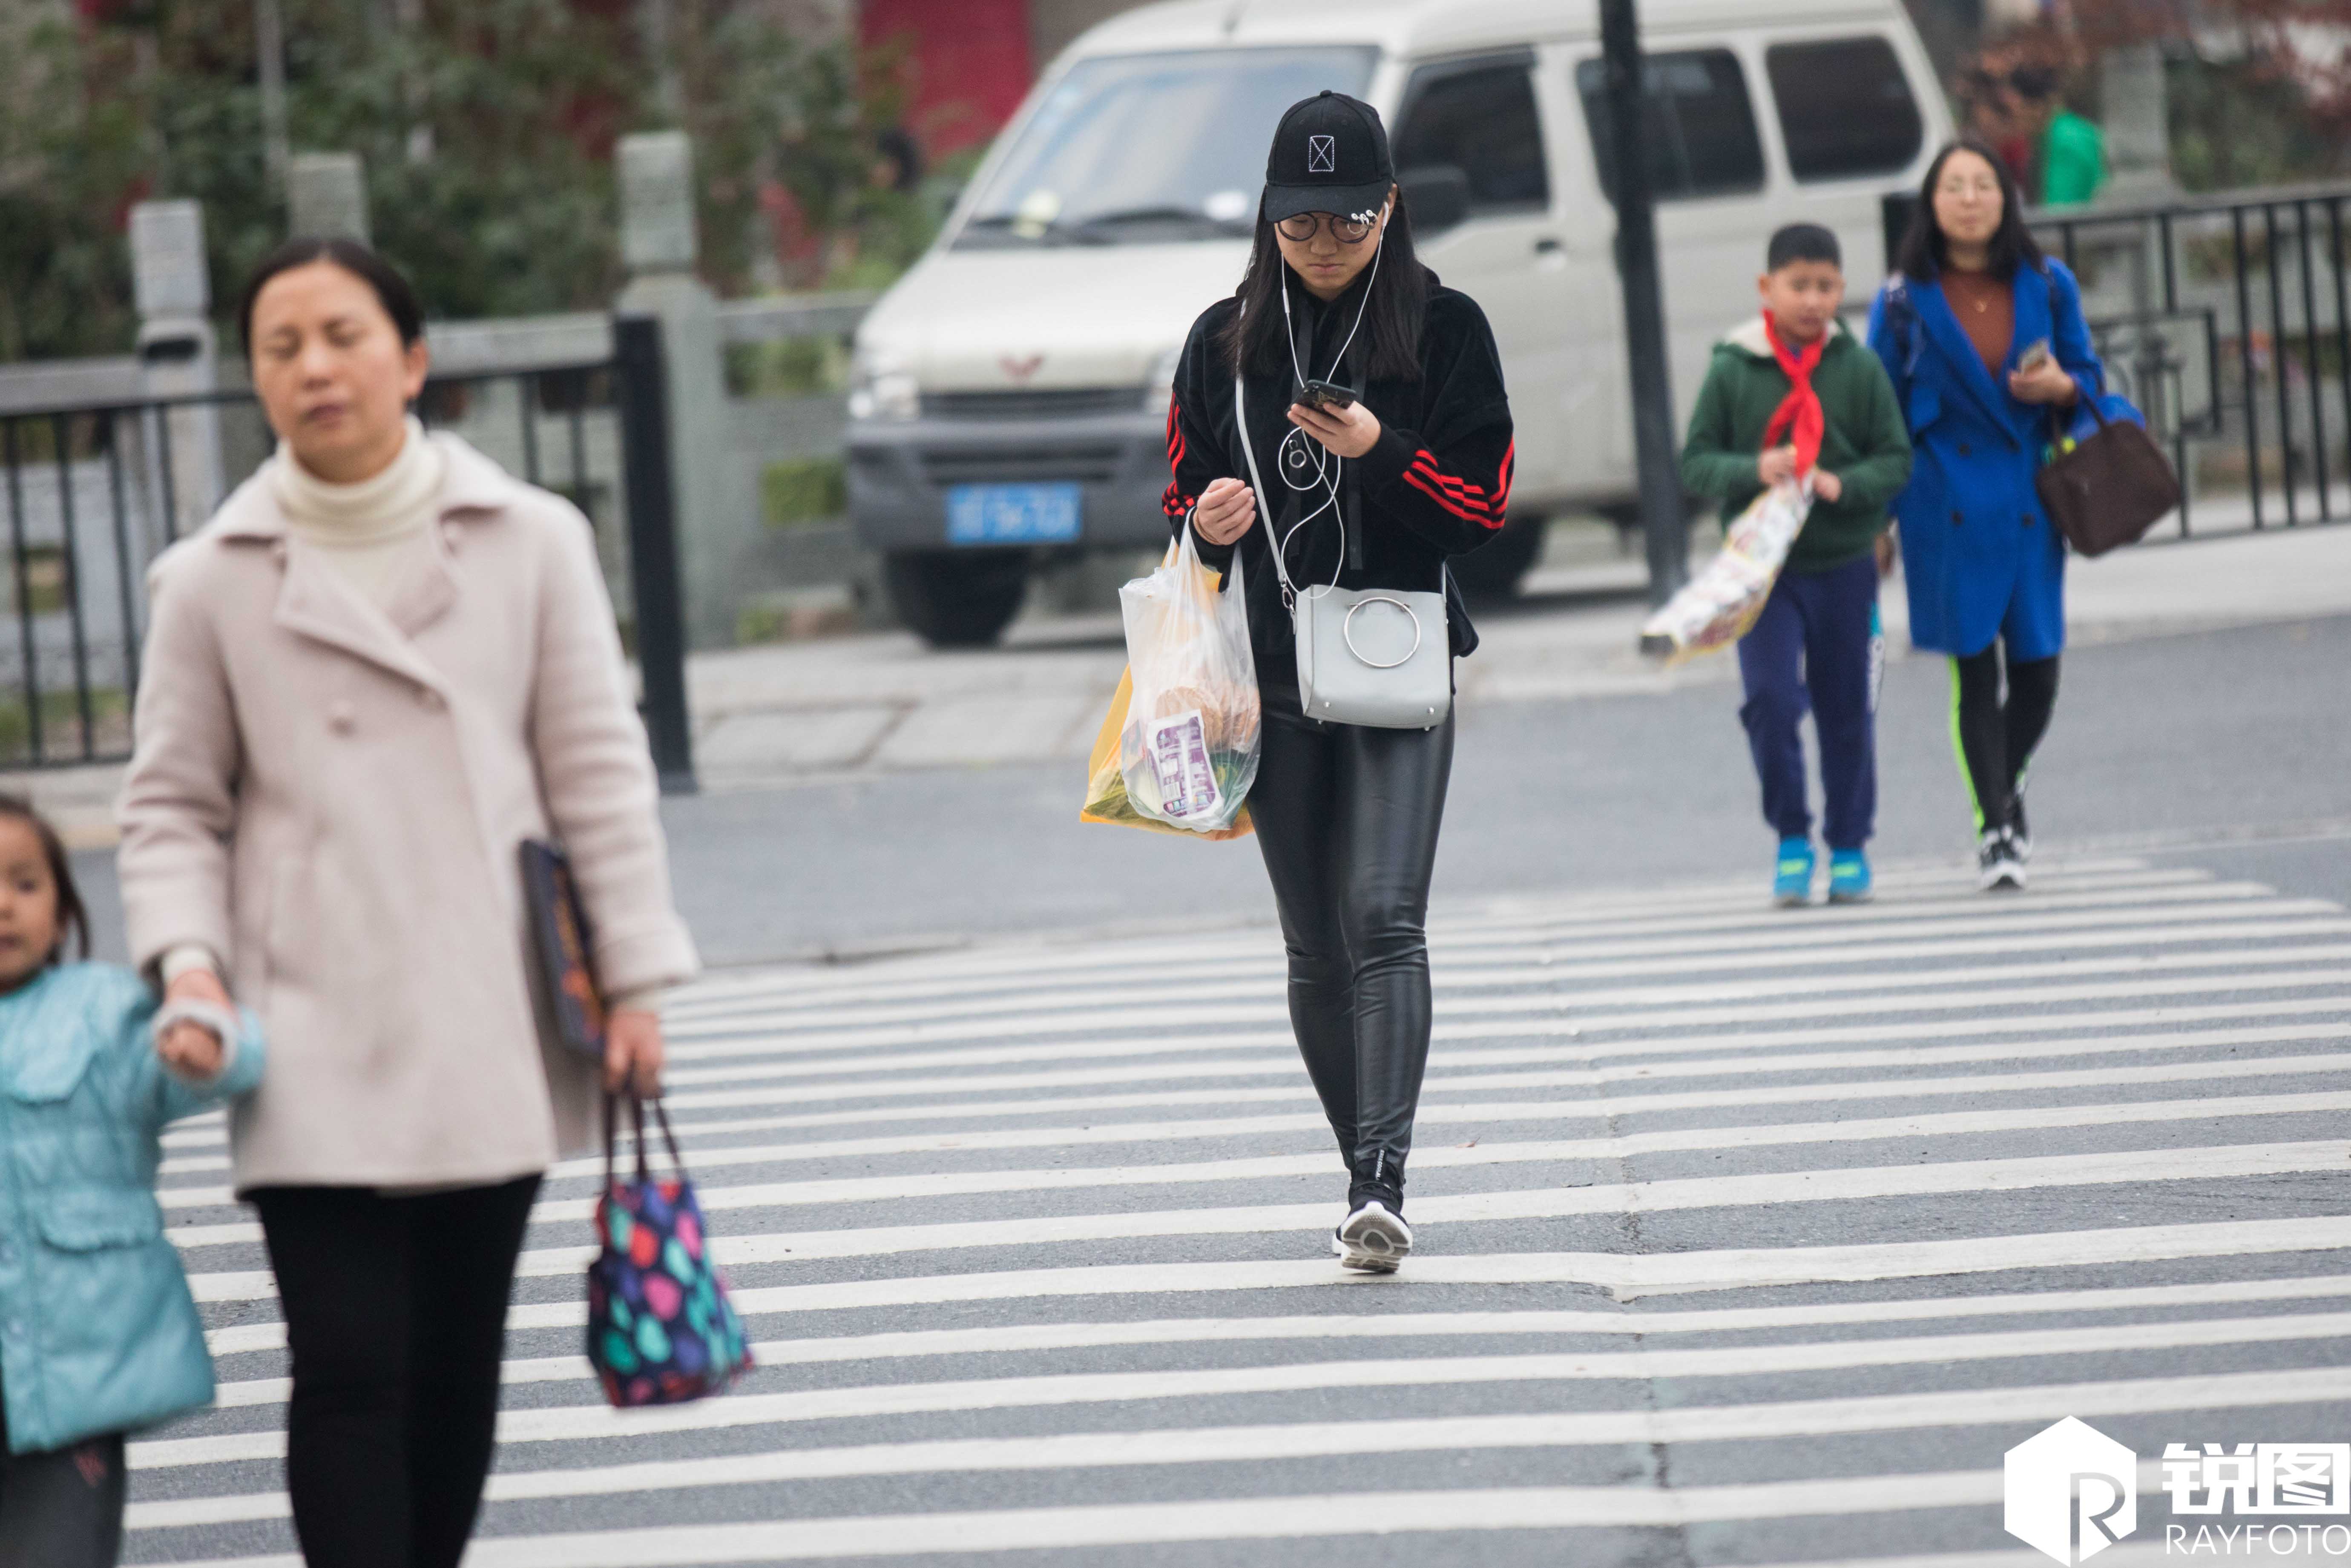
(718, 507)
(2135, 104)
(177, 355)
(326, 197)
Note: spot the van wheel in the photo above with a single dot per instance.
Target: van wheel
(1492, 570)
(952, 600)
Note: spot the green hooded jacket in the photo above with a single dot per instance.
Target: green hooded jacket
(1865, 446)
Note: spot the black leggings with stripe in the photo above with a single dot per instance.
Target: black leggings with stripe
(1996, 737)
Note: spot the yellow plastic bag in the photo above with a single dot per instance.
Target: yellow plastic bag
(1177, 751)
(1106, 798)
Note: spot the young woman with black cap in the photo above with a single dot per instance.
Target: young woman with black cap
(1371, 493)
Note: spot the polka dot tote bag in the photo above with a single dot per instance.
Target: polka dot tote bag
(660, 1328)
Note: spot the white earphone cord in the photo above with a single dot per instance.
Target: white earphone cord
(1327, 467)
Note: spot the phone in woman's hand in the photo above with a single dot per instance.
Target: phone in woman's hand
(2034, 357)
(1326, 394)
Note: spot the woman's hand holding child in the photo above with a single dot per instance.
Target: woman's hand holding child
(192, 1051)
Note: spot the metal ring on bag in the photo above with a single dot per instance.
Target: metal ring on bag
(1347, 632)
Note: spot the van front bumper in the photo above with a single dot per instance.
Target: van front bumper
(901, 470)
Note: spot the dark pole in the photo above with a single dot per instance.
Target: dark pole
(1664, 522)
(643, 397)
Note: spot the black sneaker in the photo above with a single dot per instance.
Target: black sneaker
(1373, 1238)
(2018, 835)
(1999, 868)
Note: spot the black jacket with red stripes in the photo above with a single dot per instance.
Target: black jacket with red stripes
(1436, 483)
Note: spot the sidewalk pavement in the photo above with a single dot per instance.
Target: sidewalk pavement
(881, 703)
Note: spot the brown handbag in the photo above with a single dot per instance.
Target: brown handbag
(2111, 488)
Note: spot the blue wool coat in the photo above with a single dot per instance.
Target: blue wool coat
(97, 1331)
(1979, 554)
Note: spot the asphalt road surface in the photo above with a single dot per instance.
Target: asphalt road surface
(1748, 1237)
(2192, 740)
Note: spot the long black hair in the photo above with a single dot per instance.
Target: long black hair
(1924, 252)
(1254, 343)
(73, 915)
(393, 289)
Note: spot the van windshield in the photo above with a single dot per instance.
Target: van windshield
(1137, 148)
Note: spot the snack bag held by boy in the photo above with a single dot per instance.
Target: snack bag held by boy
(1795, 403)
(103, 1337)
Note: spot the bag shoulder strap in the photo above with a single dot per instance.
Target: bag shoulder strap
(1256, 491)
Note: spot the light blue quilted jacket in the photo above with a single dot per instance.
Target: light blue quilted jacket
(97, 1331)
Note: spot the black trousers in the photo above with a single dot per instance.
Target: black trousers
(395, 1312)
(1347, 819)
(1997, 735)
(61, 1508)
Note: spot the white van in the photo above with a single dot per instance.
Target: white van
(1009, 393)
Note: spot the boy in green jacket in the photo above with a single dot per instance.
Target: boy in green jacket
(1796, 370)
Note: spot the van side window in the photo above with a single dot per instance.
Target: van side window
(1695, 119)
(1846, 108)
(1482, 122)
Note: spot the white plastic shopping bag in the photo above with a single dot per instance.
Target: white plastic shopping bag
(1717, 607)
(1188, 750)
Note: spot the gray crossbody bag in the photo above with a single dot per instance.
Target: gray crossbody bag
(1375, 657)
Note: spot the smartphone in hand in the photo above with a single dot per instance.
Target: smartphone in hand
(1326, 394)
(2036, 356)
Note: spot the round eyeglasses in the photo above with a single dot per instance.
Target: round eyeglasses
(1300, 227)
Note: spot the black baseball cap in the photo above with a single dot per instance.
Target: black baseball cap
(1329, 155)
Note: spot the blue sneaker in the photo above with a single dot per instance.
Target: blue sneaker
(1791, 885)
(1848, 876)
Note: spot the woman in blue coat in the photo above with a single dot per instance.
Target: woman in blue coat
(1984, 338)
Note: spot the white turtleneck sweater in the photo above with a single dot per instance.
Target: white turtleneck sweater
(377, 533)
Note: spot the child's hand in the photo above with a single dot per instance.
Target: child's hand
(1776, 466)
(1889, 552)
(1827, 486)
(193, 1053)
(190, 1049)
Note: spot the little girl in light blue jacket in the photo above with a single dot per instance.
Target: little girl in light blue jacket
(99, 1335)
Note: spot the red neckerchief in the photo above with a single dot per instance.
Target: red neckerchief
(1800, 412)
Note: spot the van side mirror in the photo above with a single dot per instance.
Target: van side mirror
(1438, 194)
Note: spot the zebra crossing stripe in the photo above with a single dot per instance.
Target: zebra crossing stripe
(1626, 1276)
(209, 1132)
(1506, 964)
(761, 1040)
(1322, 1515)
(570, 1423)
(979, 969)
(1835, 1184)
(1218, 1444)
(253, 1338)
(1925, 1125)
(1265, 1168)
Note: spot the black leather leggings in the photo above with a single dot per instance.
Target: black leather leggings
(1347, 819)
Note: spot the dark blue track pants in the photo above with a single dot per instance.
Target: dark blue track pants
(1810, 648)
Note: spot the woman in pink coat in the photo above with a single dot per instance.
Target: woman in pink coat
(380, 666)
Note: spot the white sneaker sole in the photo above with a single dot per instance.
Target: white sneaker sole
(1372, 1240)
(2008, 877)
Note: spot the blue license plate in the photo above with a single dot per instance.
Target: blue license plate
(1012, 514)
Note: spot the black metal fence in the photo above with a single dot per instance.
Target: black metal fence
(2226, 319)
(95, 491)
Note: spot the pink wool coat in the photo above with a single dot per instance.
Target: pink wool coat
(329, 797)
